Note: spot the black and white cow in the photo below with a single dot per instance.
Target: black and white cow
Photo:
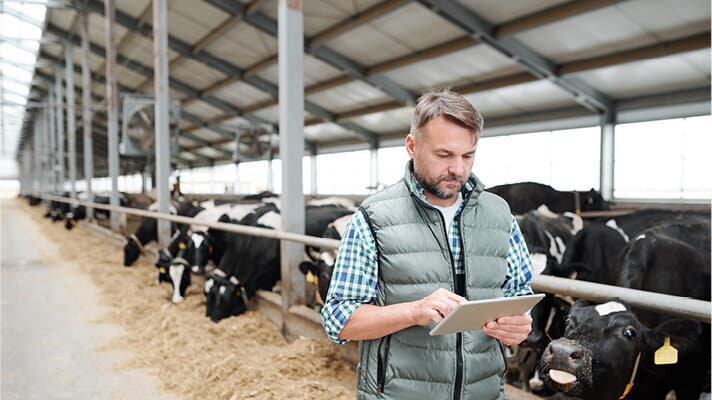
(606, 348)
(174, 263)
(526, 196)
(79, 213)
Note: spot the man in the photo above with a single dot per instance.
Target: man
(417, 249)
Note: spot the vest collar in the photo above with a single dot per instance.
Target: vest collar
(470, 191)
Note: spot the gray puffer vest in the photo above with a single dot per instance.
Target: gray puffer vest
(414, 260)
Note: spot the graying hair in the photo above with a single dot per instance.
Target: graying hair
(449, 104)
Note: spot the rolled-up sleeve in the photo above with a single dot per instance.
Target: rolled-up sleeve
(354, 280)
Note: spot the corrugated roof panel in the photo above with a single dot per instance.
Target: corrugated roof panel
(315, 71)
(191, 20)
(243, 45)
(326, 132)
(62, 17)
(203, 110)
(348, 97)
(196, 74)
(319, 15)
(96, 30)
(184, 141)
(140, 48)
(474, 63)
(526, 97)
(651, 76)
(241, 94)
(207, 135)
(134, 7)
(397, 33)
(498, 11)
(624, 26)
(128, 77)
(270, 114)
(387, 122)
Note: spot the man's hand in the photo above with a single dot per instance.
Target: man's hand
(434, 307)
(509, 330)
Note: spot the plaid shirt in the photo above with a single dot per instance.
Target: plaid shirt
(354, 280)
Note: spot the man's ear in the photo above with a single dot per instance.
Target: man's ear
(410, 144)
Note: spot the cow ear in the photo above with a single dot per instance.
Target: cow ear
(224, 218)
(306, 266)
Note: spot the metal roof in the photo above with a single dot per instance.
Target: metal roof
(367, 60)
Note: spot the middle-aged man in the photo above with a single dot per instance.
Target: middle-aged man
(417, 249)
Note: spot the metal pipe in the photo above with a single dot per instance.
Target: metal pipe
(674, 305)
(162, 150)
(71, 122)
(59, 113)
(112, 105)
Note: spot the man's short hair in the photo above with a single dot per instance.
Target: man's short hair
(449, 104)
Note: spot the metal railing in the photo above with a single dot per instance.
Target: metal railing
(674, 305)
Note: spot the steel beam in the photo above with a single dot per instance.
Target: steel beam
(86, 110)
(291, 144)
(482, 30)
(71, 121)
(112, 109)
(607, 162)
(162, 105)
(59, 114)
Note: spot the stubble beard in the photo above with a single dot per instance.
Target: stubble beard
(431, 186)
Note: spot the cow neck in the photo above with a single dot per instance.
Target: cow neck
(629, 386)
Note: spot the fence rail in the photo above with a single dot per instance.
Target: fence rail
(674, 305)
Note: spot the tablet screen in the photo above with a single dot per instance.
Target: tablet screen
(472, 315)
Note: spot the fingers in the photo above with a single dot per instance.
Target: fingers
(509, 330)
(436, 306)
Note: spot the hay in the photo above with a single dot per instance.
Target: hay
(243, 357)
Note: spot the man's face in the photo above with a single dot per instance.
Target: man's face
(443, 154)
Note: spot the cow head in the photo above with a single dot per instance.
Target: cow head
(162, 264)
(70, 221)
(203, 251)
(174, 265)
(133, 248)
(225, 296)
(319, 274)
(592, 201)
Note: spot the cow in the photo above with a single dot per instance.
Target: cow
(526, 196)
(174, 264)
(79, 212)
(607, 353)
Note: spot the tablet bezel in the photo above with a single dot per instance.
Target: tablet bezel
(472, 315)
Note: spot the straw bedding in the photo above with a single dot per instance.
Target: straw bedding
(242, 357)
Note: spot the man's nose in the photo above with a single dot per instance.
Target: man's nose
(457, 167)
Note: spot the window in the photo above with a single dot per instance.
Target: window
(343, 173)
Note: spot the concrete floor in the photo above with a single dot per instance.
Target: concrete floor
(48, 340)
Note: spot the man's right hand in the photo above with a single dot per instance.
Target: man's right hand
(434, 307)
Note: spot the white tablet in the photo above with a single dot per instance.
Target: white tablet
(472, 315)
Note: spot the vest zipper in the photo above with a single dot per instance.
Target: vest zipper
(383, 363)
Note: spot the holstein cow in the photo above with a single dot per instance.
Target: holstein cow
(174, 264)
(79, 213)
(608, 354)
(148, 231)
(526, 196)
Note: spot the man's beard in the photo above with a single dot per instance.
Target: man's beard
(432, 186)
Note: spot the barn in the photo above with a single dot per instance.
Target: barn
(277, 199)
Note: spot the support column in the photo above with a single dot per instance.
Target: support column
(607, 152)
(71, 121)
(374, 168)
(313, 176)
(291, 145)
(51, 140)
(112, 109)
(59, 113)
(160, 89)
(36, 174)
(86, 111)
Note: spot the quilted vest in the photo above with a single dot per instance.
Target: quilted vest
(414, 260)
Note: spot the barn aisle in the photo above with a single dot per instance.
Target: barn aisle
(49, 342)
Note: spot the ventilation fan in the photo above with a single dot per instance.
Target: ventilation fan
(138, 127)
(252, 144)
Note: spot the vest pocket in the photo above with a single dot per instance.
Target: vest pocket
(384, 347)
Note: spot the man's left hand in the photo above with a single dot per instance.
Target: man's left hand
(509, 330)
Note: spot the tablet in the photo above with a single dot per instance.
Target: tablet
(472, 315)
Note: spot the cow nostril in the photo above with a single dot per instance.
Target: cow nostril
(576, 355)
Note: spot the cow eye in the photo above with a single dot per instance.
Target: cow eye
(629, 332)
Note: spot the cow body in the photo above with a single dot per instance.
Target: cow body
(526, 196)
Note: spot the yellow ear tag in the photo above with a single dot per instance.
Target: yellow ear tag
(210, 249)
(310, 277)
(666, 354)
(162, 270)
(181, 245)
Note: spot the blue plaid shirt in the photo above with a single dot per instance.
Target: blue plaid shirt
(354, 280)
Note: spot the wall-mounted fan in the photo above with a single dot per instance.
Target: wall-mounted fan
(138, 127)
(252, 144)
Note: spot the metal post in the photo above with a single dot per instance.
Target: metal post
(312, 168)
(608, 128)
(236, 188)
(291, 145)
(60, 127)
(51, 149)
(374, 168)
(112, 105)
(71, 122)
(36, 174)
(160, 88)
(86, 111)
